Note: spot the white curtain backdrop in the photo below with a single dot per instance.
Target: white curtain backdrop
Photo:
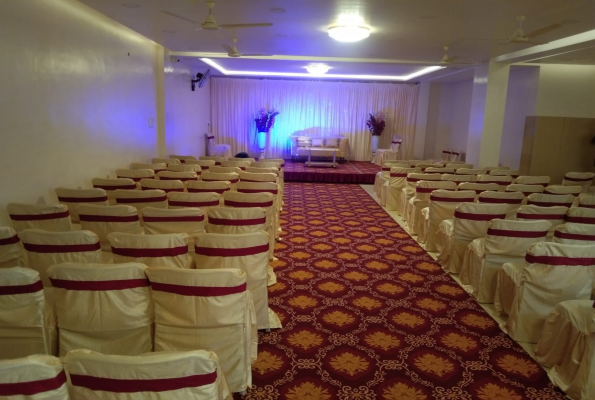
(321, 109)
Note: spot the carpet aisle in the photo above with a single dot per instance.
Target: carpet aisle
(367, 314)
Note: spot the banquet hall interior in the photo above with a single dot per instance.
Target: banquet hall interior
(303, 200)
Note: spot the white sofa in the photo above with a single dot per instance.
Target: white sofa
(299, 145)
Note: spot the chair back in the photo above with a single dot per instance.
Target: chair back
(203, 164)
(505, 172)
(424, 189)
(243, 200)
(219, 187)
(141, 199)
(159, 221)
(258, 177)
(263, 170)
(398, 176)
(266, 164)
(120, 297)
(236, 164)
(512, 238)
(443, 204)
(550, 200)
(584, 179)
(111, 185)
(224, 170)
(45, 249)
(135, 174)
(103, 220)
(73, 198)
(182, 159)
(513, 199)
(532, 180)
(555, 214)
(185, 168)
(11, 249)
(478, 188)
(575, 234)
(157, 376)
(248, 159)
(439, 170)
(166, 161)
(257, 187)
(414, 177)
(457, 165)
(574, 190)
(217, 159)
(470, 171)
(525, 189)
(458, 178)
(49, 217)
(200, 200)
(155, 167)
(471, 220)
(178, 176)
(37, 377)
(22, 309)
(167, 250)
(501, 180)
(231, 177)
(586, 202)
(388, 165)
(580, 215)
(230, 220)
(167, 186)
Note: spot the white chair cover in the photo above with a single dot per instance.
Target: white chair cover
(167, 186)
(268, 163)
(263, 177)
(181, 220)
(528, 291)
(37, 377)
(111, 185)
(584, 179)
(236, 164)
(219, 187)
(217, 150)
(392, 188)
(231, 221)
(11, 249)
(224, 170)
(49, 217)
(158, 167)
(231, 177)
(222, 320)
(248, 252)
(27, 324)
(73, 198)
(513, 199)
(264, 187)
(562, 189)
(217, 159)
(409, 190)
(458, 164)
(470, 171)
(45, 249)
(249, 159)
(458, 178)
(168, 250)
(478, 188)
(166, 161)
(103, 220)
(262, 170)
(469, 223)
(505, 172)
(204, 164)
(384, 174)
(182, 159)
(421, 200)
(580, 215)
(555, 215)
(550, 200)
(438, 170)
(442, 205)
(586, 202)
(196, 200)
(156, 376)
(525, 189)
(141, 199)
(506, 241)
(103, 307)
(280, 162)
(567, 346)
(502, 181)
(178, 176)
(135, 174)
(185, 168)
(532, 180)
(489, 169)
(579, 234)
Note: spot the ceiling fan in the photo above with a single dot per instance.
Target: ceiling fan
(446, 60)
(233, 50)
(211, 24)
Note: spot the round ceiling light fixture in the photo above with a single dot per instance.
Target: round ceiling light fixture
(348, 33)
(317, 69)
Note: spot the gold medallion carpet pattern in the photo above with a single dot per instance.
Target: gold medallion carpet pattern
(368, 314)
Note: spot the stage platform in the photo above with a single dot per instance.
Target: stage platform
(346, 172)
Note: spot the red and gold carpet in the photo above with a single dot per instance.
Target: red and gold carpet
(347, 172)
(367, 314)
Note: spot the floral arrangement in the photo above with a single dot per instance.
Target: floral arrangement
(265, 119)
(376, 123)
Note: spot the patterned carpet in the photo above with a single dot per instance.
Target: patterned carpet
(367, 314)
(347, 172)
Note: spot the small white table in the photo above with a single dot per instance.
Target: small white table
(310, 163)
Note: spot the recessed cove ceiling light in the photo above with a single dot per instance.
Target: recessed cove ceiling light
(317, 69)
(348, 33)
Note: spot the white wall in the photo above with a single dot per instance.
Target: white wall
(448, 117)
(76, 93)
(187, 113)
(566, 91)
(520, 103)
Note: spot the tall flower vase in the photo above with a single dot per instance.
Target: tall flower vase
(262, 142)
(375, 141)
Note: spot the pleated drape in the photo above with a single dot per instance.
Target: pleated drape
(322, 109)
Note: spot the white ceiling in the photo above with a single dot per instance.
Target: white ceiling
(403, 31)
